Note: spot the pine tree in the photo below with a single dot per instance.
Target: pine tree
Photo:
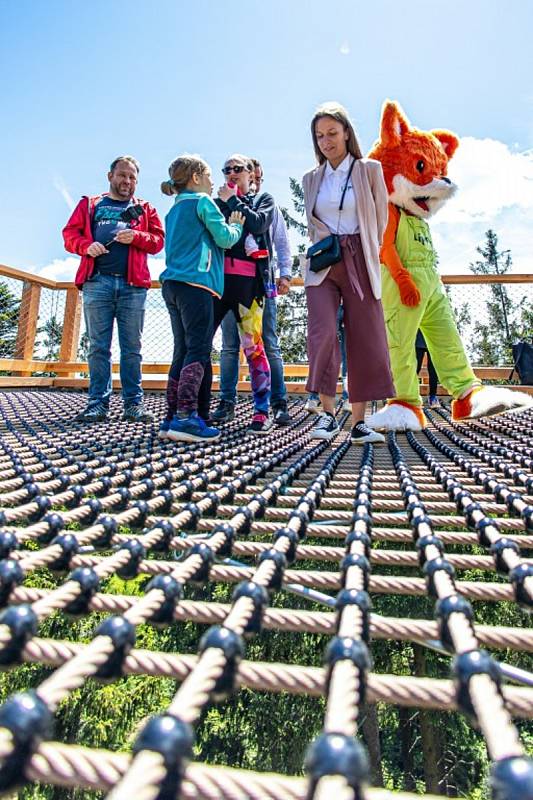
(506, 321)
(53, 331)
(292, 308)
(9, 318)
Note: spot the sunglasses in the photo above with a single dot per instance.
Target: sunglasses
(237, 169)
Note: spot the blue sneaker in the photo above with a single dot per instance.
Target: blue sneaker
(163, 429)
(191, 429)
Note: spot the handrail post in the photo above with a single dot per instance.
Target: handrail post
(27, 325)
(71, 328)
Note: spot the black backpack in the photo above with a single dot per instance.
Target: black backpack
(523, 362)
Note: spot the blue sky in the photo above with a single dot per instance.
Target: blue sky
(81, 83)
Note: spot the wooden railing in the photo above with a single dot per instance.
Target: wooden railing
(69, 371)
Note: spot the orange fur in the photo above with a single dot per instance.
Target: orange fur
(402, 150)
(409, 293)
(417, 411)
(462, 407)
(400, 147)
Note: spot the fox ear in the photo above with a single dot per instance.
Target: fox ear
(394, 124)
(448, 140)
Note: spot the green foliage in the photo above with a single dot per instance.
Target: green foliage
(292, 308)
(9, 318)
(506, 322)
(53, 331)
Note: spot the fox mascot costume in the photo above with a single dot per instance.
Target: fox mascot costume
(415, 165)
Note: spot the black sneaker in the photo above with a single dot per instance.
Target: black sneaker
(137, 413)
(326, 427)
(281, 415)
(97, 413)
(260, 425)
(361, 434)
(224, 412)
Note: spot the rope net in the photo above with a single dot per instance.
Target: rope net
(260, 537)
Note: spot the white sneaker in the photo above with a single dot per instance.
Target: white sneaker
(313, 405)
(326, 427)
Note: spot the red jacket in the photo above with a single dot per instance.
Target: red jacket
(149, 238)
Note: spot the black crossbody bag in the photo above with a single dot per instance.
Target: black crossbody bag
(327, 252)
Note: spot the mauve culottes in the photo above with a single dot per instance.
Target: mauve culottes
(369, 372)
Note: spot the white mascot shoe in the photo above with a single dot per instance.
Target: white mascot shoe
(487, 401)
(397, 417)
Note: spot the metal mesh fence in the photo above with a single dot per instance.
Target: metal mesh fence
(491, 317)
(34, 320)
(10, 297)
(50, 323)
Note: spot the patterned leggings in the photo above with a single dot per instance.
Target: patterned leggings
(250, 325)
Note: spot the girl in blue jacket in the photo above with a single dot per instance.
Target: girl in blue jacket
(196, 235)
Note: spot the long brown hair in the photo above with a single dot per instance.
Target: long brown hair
(181, 171)
(338, 113)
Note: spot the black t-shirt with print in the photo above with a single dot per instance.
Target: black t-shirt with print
(106, 224)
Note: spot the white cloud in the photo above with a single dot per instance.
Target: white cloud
(495, 191)
(60, 269)
(344, 49)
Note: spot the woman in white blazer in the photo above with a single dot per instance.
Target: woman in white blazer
(355, 279)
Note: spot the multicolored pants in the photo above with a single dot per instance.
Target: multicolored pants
(249, 325)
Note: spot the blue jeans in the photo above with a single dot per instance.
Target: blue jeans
(229, 355)
(106, 298)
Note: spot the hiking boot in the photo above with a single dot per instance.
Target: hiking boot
(361, 434)
(96, 413)
(137, 413)
(191, 429)
(326, 427)
(224, 412)
(280, 414)
(261, 424)
(313, 405)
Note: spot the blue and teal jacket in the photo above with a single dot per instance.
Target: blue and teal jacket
(196, 237)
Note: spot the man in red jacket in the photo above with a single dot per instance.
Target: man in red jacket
(113, 233)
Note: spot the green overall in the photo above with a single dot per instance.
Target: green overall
(433, 315)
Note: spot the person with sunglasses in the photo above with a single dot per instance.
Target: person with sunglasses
(248, 279)
(229, 354)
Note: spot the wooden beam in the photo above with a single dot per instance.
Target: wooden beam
(29, 277)
(12, 382)
(465, 278)
(27, 324)
(71, 328)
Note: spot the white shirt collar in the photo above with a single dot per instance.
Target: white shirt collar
(343, 167)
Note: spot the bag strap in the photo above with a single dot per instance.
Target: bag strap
(341, 205)
(346, 186)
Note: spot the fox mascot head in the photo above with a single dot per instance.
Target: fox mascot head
(415, 163)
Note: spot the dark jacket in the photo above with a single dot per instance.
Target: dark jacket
(149, 238)
(258, 213)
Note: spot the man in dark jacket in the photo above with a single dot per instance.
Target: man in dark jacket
(114, 233)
